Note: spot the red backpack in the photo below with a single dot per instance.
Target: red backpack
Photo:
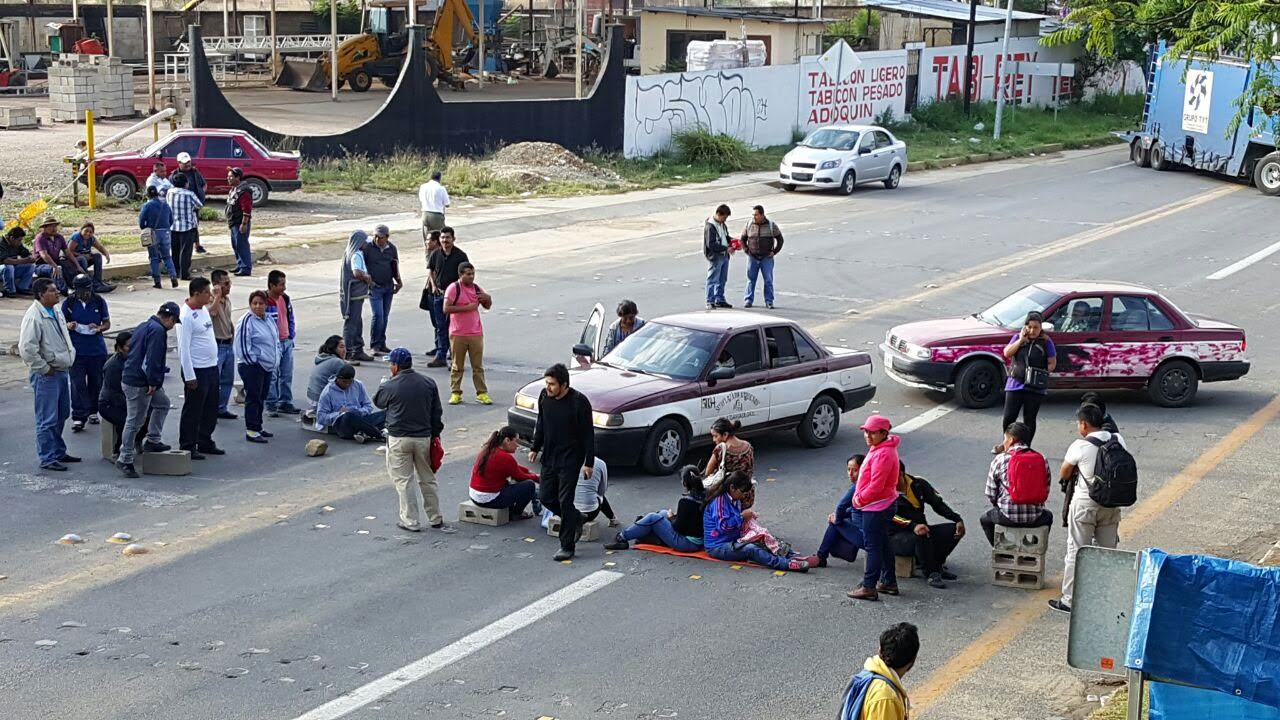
(1028, 482)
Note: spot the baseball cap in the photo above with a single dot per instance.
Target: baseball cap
(346, 372)
(876, 423)
(400, 356)
(184, 157)
(170, 308)
(82, 281)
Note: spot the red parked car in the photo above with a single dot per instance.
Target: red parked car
(1108, 335)
(121, 174)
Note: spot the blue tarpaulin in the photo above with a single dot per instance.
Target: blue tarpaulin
(1208, 622)
(1178, 702)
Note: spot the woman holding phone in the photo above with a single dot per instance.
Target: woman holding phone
(1032, 357)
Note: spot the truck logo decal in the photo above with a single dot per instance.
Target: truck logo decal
(1197, 101)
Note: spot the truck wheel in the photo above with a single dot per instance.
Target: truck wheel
(818, 427)
(1266, 174)
(258, 191)
(1139, 155)
(1174, 384)
(120, 187)
(666, 447)
(360, 81)
(978, 384)
(1158, 159)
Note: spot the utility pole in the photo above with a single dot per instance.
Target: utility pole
(151, 66)
(274, 56)
(226, 18)
(577, 48)
(968, 57)
(333, 49)
(111, 16)
(1000, 74)
(482, 33)
(413, 12)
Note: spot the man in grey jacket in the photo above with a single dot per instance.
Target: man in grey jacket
(414, 422)
(45, 346)
(716, 248)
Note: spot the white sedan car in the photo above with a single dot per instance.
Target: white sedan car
(843, 157)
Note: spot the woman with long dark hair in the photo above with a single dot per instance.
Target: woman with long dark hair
(1032, 358)
(723, 521)
(498, 481)
(731, 451)
(679, 529)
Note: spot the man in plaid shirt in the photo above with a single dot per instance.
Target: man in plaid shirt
(1003, 510)
(186, 220)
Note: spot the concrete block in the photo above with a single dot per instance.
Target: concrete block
(173, 462)
(1027, 541)
(1018, 579)
(904, 566)
(591, 531)
(109, 433)
(1003, 560)
(18, 118)
(469, 512)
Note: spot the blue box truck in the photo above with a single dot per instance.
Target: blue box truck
(1188, 110)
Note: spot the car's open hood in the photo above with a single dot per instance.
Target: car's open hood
(612, 390)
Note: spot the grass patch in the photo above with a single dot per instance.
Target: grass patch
(1118, 708)
(403, 172)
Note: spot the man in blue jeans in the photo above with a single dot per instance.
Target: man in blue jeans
(442, 271)
(762, 240)
(224, 332)
(45, 346)
(716, 249)
(280, 312)
(239, 212)
(382, 262)
(17, 264)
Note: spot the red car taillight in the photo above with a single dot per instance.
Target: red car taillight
(1244, 344)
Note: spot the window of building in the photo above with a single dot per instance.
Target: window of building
(678, 43)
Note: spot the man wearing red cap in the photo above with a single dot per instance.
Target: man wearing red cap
(875, 498)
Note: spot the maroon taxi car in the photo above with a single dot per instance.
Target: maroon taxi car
(1108, 335)
(121, 174)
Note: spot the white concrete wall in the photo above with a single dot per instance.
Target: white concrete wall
(942, 71)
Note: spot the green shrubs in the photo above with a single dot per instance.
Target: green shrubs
(703, 147)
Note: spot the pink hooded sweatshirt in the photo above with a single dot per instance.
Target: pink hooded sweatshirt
(878, 478)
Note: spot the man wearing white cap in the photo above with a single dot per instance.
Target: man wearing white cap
(195, 183)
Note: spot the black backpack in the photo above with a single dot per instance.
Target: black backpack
(1115, 475)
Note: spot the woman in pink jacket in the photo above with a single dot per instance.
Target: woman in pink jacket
(875, 500)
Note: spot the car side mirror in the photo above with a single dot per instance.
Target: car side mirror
(583, 349)
(1047, 327)
(864, 150)
(721, 373)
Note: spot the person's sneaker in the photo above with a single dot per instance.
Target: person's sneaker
(273, 413)
(887, 589)
(797, 565)
(104, 288)
(619, 543)
(407, 528)
(212, 450)
(747, 304)
(266, 434)
(360, 356)
(360, 438)
(935, 581)
(254, 437)
(1060, 606)
(446, 529)
(93, 420)
(724, 305)
(562, 555)
(288, 410)
(484, 399)
(149, 446)
(863, 593)
(381, 349)
(196, 454)
(68, 458)
(156, 284)
(822, 562)
(227, 415)
(200, 249)
(768, 305)
(813, 561)
(173, 282)
(77, 426)
(55, 465)
(128, 469)
(455, 399)
(948, 575)
(711, 306)
(437, 363)
(614, 522)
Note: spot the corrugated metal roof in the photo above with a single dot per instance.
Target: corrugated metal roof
(731, 14)
(949, 10)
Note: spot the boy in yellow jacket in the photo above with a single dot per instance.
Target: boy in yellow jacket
(877, 692)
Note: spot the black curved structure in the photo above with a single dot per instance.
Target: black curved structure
(415, 118)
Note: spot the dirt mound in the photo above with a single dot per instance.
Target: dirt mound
(537, 163)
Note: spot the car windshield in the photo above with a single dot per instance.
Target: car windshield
(1010, 312)
(155, 147)
(831, 139)
(668, 350)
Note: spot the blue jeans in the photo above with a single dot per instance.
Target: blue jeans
(658, 525)
(280, 386)
(161, 251)
(441, 322)
(380, 303)
(515, 497)
(759, 266)
(240, 246)
(86, 383)
(875, 532)
(739, 552)
(843, 539)
(17, 277)
(226, 374)
(717, 277)
(53, 407)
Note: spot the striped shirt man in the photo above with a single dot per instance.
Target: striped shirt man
(184, 205)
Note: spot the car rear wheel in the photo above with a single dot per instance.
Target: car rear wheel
(820, 423)
(258, 190)
(895, 177)
(978, 384)
(848, 183)
(1158, 159)
(1174, 384)
(120, 187)
(1266, 174)
(666, 447)
(1139, 155)
(788, 187)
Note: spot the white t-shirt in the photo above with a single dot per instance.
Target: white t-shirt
(197, 345)
(1084, 456)
(590, 490)
(433, 196)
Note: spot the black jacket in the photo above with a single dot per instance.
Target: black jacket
(111, 401)
(564, 433)
(910, 510)
(195, 182)
(712, 246)
(413, 405)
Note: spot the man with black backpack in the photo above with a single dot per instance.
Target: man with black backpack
(1101, 477)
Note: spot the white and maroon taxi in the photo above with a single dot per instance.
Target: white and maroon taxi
(1108, 335)
(656, 393)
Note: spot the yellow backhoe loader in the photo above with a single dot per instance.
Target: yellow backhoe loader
(380, 50)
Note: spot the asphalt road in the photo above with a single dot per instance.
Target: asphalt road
(256, 601)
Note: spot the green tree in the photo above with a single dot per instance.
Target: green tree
(348, 15)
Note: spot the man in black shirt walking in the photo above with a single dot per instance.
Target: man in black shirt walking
(442, 268)
(565, 439)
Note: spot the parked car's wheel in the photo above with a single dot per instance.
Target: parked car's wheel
(820, 423)
(1159, 160)
(1174, 384)
(788, 187)
(666, 447)
(258, 190)
(1266, 174)
(119, 187)
(978, 383)
(895, 177)
(1139, 155)
(848, 183)
(360, 80)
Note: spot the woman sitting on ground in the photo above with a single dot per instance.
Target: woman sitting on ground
(679, 529)
(733, 452)
(498, 481)
(843, 536)
(329, 361)
(723, 522)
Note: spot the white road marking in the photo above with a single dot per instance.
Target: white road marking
(1236, 267)
(924, 418)
(463, 648)
(1113, 167)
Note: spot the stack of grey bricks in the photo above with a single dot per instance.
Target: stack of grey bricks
(90, 82)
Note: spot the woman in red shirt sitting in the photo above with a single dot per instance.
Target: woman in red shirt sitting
(498, 481)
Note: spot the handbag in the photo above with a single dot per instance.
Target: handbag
(148, 237)
(716, 477)
(437, 454)
(424, 303)
(1036, 378)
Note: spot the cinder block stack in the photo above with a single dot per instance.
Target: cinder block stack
(90, 82)
(1017, 559)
